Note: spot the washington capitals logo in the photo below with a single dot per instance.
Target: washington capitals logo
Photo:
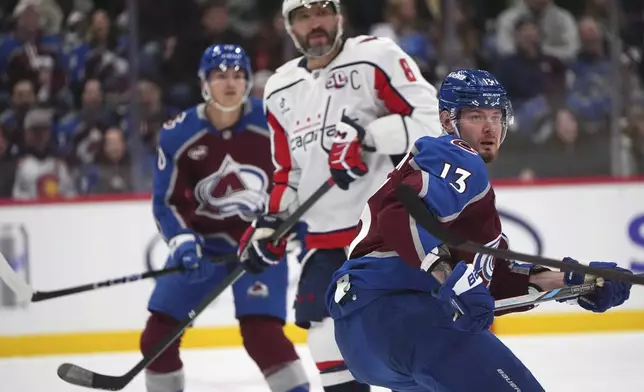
(234, 189)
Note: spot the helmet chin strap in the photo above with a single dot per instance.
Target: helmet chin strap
(207, 96)
(452, 120)
(226, 108)
(455, 127)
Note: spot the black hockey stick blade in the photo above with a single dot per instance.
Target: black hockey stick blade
(80, 376)
(77, 375)
(45, 295)
(417, 209)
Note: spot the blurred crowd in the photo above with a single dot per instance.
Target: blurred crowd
(72, 122)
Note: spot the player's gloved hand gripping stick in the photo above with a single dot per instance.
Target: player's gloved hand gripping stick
(345, 158)
(25, 292)
(77, 375)
(462, 293)
(594, 276)
(409, 198)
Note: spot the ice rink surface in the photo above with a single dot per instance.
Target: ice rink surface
(588, 363)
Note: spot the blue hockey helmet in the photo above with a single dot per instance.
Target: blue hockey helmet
(474, 88)
(224, 57)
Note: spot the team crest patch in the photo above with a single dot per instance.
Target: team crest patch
(198, 152)
(258, 289)
(235, 189)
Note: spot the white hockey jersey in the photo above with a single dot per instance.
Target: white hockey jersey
(373, 82)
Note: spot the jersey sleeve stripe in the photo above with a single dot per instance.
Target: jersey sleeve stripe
(416, 235)
(424, 190)
(392, 99)
(281, 150)
(275, 199)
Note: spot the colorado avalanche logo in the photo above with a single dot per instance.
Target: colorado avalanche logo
(234, 189)
(484, 264)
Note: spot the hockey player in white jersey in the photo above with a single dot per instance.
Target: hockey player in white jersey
(318, 108)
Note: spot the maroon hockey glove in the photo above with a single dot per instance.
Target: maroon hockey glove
(345, 157)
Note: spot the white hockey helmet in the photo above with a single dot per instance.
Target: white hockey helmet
(289, 5)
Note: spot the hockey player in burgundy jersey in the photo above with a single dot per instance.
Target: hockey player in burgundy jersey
(393, 302)
(212, 179)
(319, 107)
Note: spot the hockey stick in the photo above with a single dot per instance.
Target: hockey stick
(25, 292)
(559, 294)
(417, 209)
(77, 375)
(545, 296)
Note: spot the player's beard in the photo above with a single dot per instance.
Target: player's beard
(489, 157)
(318, 50)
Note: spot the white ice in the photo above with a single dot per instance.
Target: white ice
(588, 363)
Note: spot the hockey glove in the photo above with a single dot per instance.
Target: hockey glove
(185, 251)
(345, 157)
(256, 252)
(609, 295)
(465, 293)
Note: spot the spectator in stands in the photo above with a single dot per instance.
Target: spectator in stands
(271, 47)
(51, 15)
(153, 111)
(402, 26)
(143, 141)
(634, 39)
(97, 58)
(598, 10)
(557, 27)
(534, 81)
(40, 173)
(574, 152)
(74, 32)
(7, 166)
(635, 133)
(590, 97)
(469, 48)
(23, 98)
(164, 20)
(111, 173)
(582, 140)
(215, 23)
(181, 54)
(29, 54)
(79, 133)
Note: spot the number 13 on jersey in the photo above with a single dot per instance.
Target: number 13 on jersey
(460, 184)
